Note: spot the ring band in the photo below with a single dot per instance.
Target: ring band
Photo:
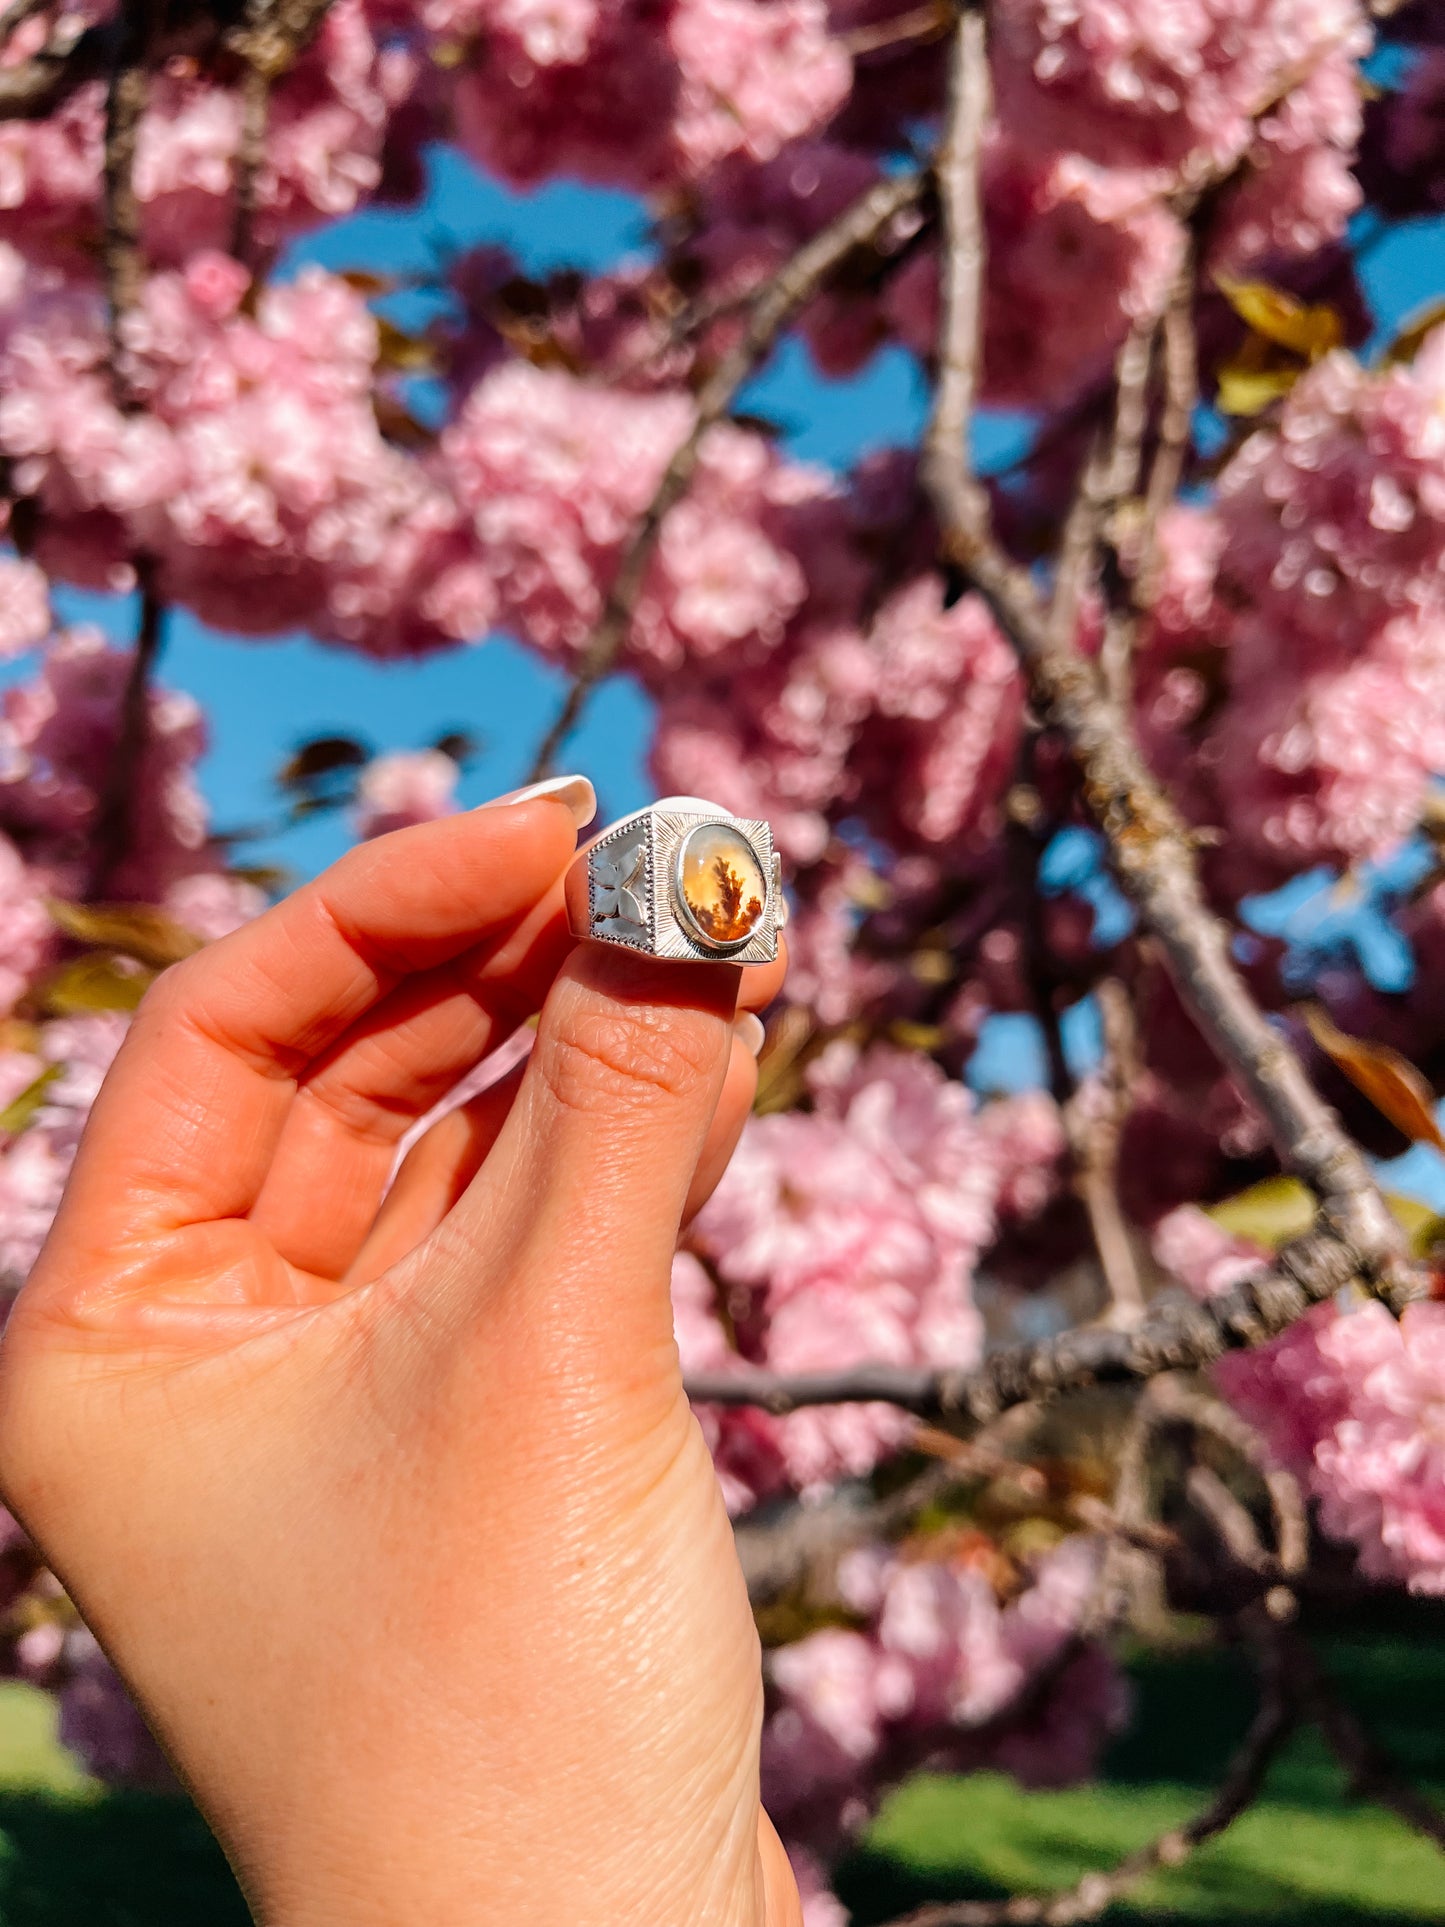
(684, 880)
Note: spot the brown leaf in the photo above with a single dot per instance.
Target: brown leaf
(407, 354)
(320, 757)
(1391, 1082)
(136, 930)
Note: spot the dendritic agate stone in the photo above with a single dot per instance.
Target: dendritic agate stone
(721, 887)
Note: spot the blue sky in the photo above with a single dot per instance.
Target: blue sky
(263, 698)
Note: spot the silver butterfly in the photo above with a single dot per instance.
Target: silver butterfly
(617, 874)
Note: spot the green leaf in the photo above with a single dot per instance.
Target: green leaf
(1269, 1213)
(1249, 391)
(1424, 1228)
(94, 982)
(20, 1110)
(136, 930)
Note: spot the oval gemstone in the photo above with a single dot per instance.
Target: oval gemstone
(721, 883)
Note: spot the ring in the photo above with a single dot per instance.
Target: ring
(682, 879)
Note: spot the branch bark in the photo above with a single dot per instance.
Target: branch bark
(124, 107)
(1179, 1336)
(1150, 849)
(114, 821)
(767, 311)
(1373, 1774)
(1086, 1899)
(947, 473)
(73, 55)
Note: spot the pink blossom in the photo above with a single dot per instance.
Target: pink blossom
(849, 1233)
(26, 931)
(35, 1165)
(938, 1673)
(945, 718)
(1205, 1257)
(211, 904)
(554, 473)
(408, 786)
(1355, 1403)
(753, 76)
(1157, 85)
(24, 606)
(1054, 221)
(328, 116)
(602, 93)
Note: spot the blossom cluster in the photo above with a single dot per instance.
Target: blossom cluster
(1317, 587)
(262, 442)
(936, 1671)
(843, 1234)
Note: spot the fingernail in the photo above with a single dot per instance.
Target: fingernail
(750, 1028)
(575, 791)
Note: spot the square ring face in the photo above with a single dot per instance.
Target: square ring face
(635, 889)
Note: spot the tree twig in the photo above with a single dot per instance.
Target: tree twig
(1095, 1118)
(1149, 848)
(1087, 1898)
(1180, 366)
(919, 24)
(124, 107)
(74, 54)
(766, 312)
(15, 16)
(946, 466)
(1373, 1774)
(1175, 1336)
(115, 818)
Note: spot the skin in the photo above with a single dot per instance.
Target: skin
(394, 1515)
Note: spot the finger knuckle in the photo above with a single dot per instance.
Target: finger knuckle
(599, 1059)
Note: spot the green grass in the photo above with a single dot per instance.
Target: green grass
(72, 1855)
(1306, 1856)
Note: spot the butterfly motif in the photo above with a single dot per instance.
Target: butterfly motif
(616, 874)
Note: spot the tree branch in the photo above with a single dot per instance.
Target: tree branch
(74, 54)
(124, 107)
(767, 311)
(911, 29)
(1086, 1899)
(1149, 848)
(1095, 1118)
(1178, 1336)
(15, 16)
(114, 821)
(1373, 1775)
(946, 469)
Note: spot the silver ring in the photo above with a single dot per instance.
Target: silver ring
(682, 879)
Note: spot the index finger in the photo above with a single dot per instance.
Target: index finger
(187, 1121)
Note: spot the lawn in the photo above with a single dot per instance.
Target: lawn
(72, 1855)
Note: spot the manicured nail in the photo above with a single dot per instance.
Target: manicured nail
(575, 791)
(750, 1028)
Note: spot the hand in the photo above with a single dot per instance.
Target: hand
(393, 1514)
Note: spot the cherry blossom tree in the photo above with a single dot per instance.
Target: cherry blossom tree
(1041, 741)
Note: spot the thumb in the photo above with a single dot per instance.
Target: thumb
(586, 1186)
